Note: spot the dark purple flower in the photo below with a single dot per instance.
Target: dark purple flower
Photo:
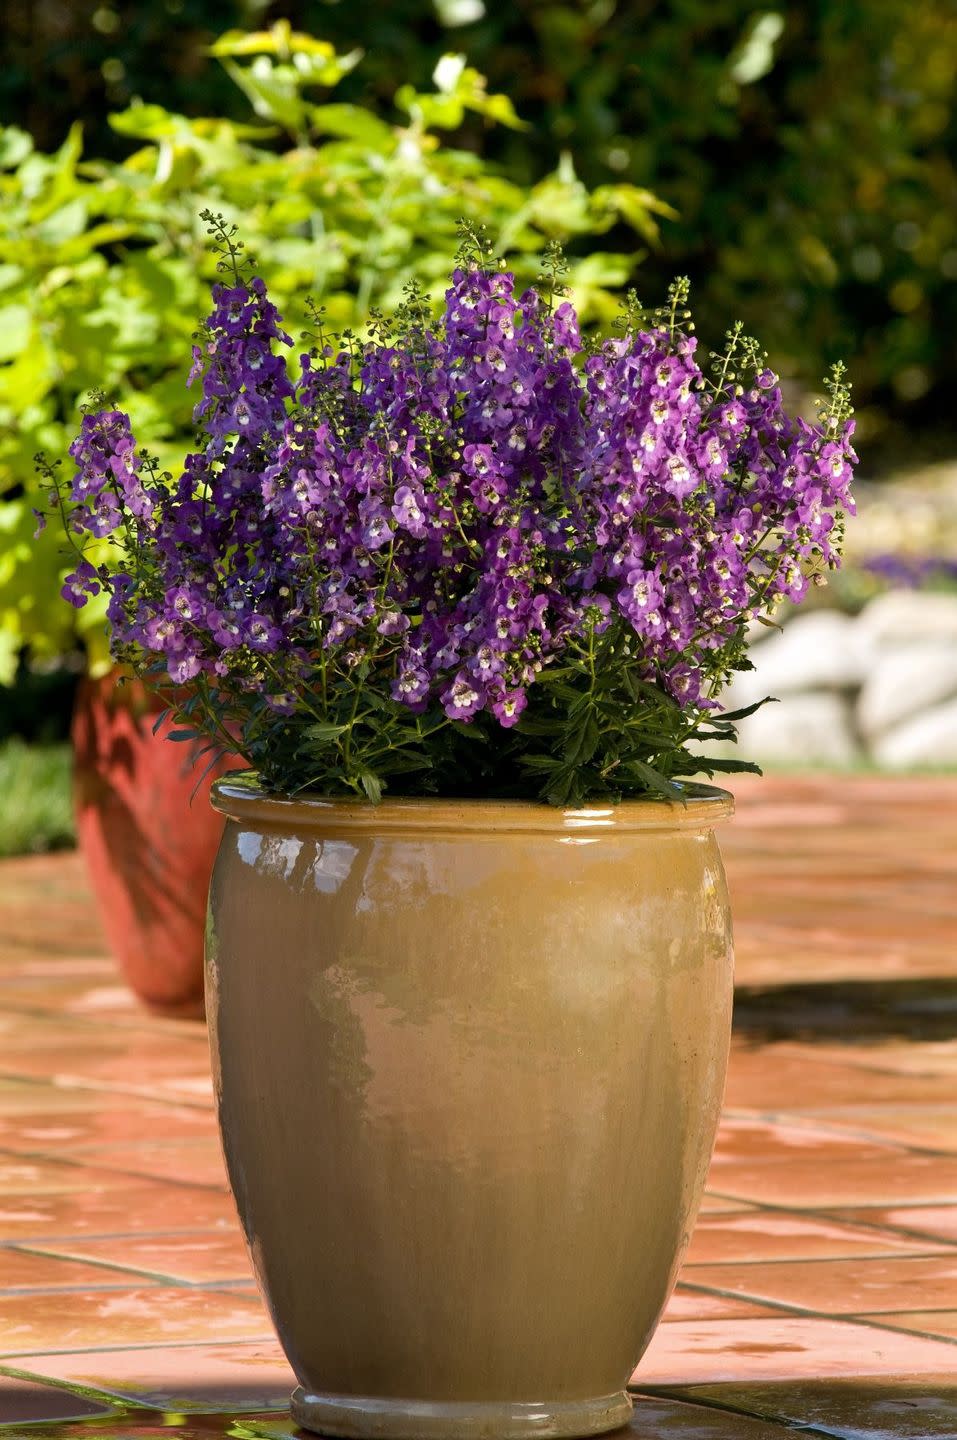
(81, 584)
(452, 514)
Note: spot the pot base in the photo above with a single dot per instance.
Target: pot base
(359, 1417)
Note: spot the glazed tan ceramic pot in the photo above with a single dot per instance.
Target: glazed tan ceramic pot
(469, 1059)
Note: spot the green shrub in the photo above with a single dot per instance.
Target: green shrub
(809, 145)
(105, 268)
(37, 811)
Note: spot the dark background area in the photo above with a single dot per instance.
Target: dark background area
(809, 148)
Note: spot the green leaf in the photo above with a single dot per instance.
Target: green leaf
(372, 786)
(279, 40)
(9, 655)
(272, 90)
(16, 324)
(401, 762)
(653, 780)
(323, 731)
(602, 268)
(582, 741)
(64, 224)
(708, 763)
(732, 716)
(352, 122)
(145, 122)
(15, 146)
(468, 731)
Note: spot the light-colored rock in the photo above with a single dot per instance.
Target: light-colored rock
(904, 683)
(814, 728)
(821, 651)
(929, 739)
(908, 617)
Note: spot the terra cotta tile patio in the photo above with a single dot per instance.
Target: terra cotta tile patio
(819, 1290)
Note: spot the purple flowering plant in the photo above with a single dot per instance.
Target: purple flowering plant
(472, 555)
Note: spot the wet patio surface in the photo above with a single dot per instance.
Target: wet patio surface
(820, 1289)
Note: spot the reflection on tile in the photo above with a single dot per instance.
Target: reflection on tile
(865, 1174)
(22, 1270)
(690, 1304)
(903, 1057)
(654, 1416)
(671, 1419)
(92, 1055)
(758, 1079)
(800, 1347)
(134, 1423)
(37, 1321)
(782, 1235)
(932, 1127)
(743, 1140)
(36, 1177)
(187, 1378)
(114, 1205)
(925, 1222)
(805, 868)
(895, 1407)
(717, 1205)
(80, 1123)
(24, 1401)
(194, 1162)
(840, 1287)
(46, 905)
(196, 1259)
(926, 1322)
(27, 1097)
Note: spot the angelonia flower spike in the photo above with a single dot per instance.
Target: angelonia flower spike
(471, 554)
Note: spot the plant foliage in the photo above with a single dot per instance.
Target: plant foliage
(471, 555)
(104, 265)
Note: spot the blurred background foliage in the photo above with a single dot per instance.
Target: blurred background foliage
(807, 147)
(105, 264)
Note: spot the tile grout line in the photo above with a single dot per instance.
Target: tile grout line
(197, 1342)
(675, 1392)
(783, 1119)
(80, 1163)
(932, 1254)
(831, 1208)
(113, 1265)
(805, 1312)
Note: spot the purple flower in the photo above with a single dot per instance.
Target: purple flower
(439, 521)
(261, 634)
(81, 584)
(409, 511)
(508, 706)
(463, 698)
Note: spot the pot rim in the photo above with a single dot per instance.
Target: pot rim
(240, 797)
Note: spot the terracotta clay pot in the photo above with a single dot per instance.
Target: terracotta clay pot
(149, 848)
(469, 1059)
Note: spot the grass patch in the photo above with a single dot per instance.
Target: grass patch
(36, 811)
